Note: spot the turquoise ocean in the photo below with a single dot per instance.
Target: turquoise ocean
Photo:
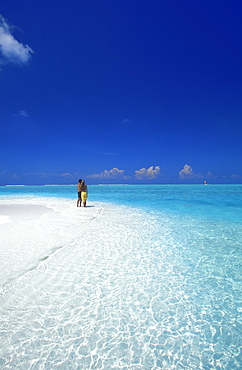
(150, 277)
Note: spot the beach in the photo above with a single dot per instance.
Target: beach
(112, 286)
(31, 230)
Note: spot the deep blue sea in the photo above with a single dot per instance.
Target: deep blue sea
(146, 277)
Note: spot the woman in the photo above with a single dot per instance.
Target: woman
(84, 193)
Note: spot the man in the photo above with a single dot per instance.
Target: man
(79, 190)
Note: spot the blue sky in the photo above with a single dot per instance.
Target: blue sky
(120, 91)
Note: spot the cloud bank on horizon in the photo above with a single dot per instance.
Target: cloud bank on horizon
(108, 174)
(11, 50)
(150, 173)
(187, 172)
(143, 174)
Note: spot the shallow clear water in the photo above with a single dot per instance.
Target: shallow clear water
(148, 278)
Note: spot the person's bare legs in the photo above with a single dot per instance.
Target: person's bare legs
(79, 201)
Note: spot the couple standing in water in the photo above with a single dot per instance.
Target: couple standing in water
(82, 193)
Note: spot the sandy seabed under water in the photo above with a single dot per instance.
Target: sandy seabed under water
(101, 288)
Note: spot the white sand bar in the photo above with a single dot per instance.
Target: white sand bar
(31, 229)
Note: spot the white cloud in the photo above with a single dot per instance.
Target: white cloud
(67, 174)
(234, 176)
(43, 174)
(188, 173)
(108, 174)
(150, 173)
(10, 49)
(211, 175)
(111, 153)
(22, 113)
(127, 120)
